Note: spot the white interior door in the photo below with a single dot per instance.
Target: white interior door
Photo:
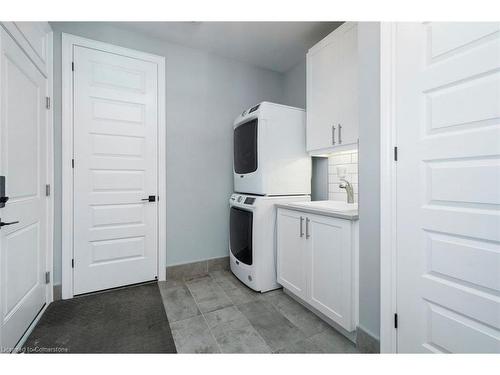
(448, 187)
(23, 162)
(115, 169)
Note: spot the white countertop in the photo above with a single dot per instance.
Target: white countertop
(338, 209)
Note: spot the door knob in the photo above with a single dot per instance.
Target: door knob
(151, 198)
(4, 224)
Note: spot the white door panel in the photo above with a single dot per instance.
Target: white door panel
(330, 268)
(292, 252)
(324, 89)
(448, 187)
(23, 162)
(115, 152)
(347, 131)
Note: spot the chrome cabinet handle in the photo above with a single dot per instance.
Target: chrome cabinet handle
(333, 134)
(307, 227)
(301, 231)
(340, 133)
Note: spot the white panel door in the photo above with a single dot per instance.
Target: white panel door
(23, 162)
(448, 187)
(115, 170)
(291, 254)
(330, 268)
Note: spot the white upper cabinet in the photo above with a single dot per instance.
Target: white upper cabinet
(332, 91)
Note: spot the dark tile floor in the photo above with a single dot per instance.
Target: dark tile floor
(217, 313)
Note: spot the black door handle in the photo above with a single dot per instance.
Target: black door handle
(4, 224)
(151, 198)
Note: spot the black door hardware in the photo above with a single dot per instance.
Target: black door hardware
(3, 198)
(2, 224)
(151, 198)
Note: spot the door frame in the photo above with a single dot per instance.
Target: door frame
(68, 42)
(20, 39)
(388, 197)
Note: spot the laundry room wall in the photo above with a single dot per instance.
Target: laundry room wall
(204, 93)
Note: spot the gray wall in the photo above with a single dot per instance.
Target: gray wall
(369, 177)
(319, 181)
(204, 95)
(294, 85)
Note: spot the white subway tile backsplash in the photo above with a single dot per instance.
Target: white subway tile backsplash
(340, 159)
(352, 168)
(337, 196)
(349, 160)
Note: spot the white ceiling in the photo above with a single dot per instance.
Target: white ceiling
(272, 45)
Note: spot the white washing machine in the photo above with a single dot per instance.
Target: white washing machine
(270, 155)
(252, 238)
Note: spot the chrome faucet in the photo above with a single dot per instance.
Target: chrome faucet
(344, 184)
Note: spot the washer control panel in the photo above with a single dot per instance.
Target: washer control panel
(242, 199)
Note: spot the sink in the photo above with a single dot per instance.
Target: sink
(328, 205)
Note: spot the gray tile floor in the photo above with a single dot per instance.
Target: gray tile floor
(216, 313)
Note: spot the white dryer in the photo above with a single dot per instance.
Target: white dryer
(270, 155)
(252, 238)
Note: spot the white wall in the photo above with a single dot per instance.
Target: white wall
(369, 177)
(204, 95)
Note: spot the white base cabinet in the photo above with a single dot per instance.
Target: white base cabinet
(317, 262)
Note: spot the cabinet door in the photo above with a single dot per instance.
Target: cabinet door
(348, 119)
(323, 85)
(291, 252)
(330, 268)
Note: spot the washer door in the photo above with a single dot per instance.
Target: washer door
(240, 234)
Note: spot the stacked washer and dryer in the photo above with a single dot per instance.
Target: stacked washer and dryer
(270, 166)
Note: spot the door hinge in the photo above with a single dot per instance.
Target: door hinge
(72, 163)
(396, 321)
(47, 102)
(47, 277)
(72, 66)
(395, 154)
(72, 263)
(47, 190)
